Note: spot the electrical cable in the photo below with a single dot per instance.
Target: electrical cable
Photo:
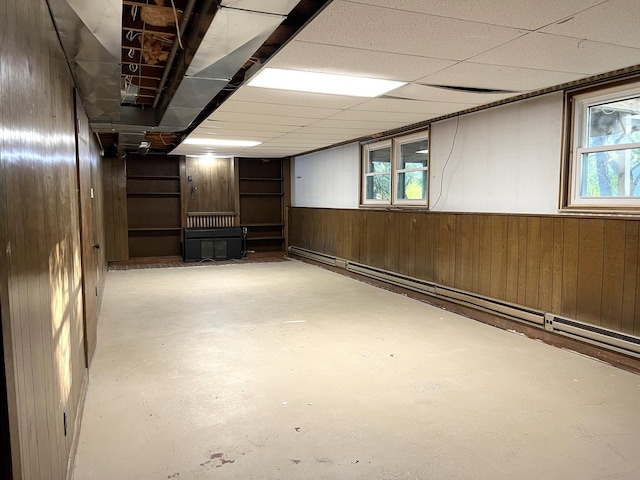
(175, 15)
(453, 143)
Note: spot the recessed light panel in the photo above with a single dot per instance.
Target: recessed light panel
(314, 82)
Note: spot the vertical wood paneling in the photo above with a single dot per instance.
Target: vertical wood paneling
(464, 252)
(571, 236)
(590, 269)
(523, 224)
(430, 247)
(558, 251)
(443, 249)
(484, 256)
(211, 188)
(499, 239)
(631, 272)
(114, 184)
(40, 284)
(613, 274)
(512, 260)
(545, 269)
(585, 269)
(420, 256)
(532, 288)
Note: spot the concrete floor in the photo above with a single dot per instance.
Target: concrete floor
(288, 371)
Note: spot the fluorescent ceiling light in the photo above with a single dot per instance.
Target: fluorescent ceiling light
(422, 151)
(215, 142)
(322, 83)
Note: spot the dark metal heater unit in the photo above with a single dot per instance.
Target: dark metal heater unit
(212, 243)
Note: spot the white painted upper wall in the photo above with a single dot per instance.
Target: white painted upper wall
(327, 179)
(504, 160)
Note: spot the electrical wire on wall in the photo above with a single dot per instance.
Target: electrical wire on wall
(444, 167)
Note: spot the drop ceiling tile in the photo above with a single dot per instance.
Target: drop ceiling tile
(561, 54)
(303, 99)
(620, 28)
(364, 115)
(387, 30)
(258, 127)
(423, 107)
(434, 94)
(498, 77)
(234, 135)
(279, 110)
(252, 118)
(342, 60)
(525, 14)
(370, 126)
(327, 130)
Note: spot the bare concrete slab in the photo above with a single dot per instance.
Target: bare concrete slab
(288, 371)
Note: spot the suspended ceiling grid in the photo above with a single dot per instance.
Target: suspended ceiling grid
(507, 47)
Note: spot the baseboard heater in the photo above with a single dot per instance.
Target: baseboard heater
(603, 337)
(623, 343)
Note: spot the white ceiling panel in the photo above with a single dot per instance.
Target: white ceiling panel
(342, 60)
(429, 109)
(252, 118)
(284, 97)
(620, 27)
(499, 77)
(338, 131)
(562, 54)
(485, 44)
(364, 115)
(396, 31)
(227, 125)
(371, 126)
(434, 94)
(280, 110)
(525, 14)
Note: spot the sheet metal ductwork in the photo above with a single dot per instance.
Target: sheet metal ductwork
(239, 28)
(91, 34)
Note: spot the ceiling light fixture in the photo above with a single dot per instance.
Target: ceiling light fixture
(216, 142)
(314, 82)
(422, 151)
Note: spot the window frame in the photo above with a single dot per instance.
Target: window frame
(366, 150)
(395, 143)
(577, 104)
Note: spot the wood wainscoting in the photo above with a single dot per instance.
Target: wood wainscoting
(582, 268)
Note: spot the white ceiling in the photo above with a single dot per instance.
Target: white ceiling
(509, 45)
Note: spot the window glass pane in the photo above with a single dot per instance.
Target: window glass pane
(614, 123)
(379, 187)
(380, 160)
(611, 174)
(411, 186)
(414, 155)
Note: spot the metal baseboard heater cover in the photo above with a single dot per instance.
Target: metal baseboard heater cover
(620, 342)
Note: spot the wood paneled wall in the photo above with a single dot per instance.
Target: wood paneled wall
(40, 270)
(114, 183)
(582, 268)
(213, 181)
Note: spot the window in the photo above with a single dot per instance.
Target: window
(395, 171)
(604, 163)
